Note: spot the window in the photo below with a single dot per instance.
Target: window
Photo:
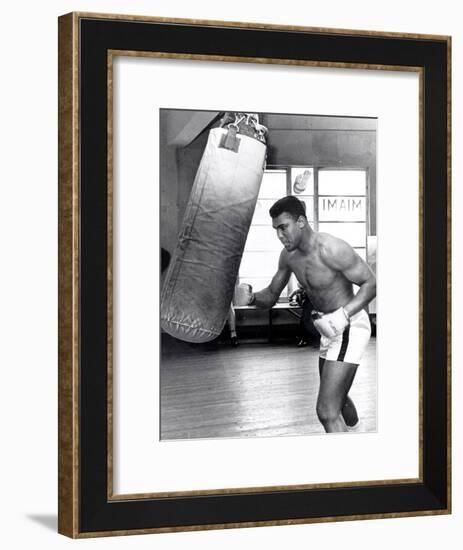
(342, 206)
(335, 201)
(262, 250)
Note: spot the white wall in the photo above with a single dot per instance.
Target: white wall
(28, 274)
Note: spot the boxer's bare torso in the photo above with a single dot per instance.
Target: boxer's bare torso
(327, 288)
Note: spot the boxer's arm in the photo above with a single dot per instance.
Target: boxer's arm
(268, 297)
(342, 257)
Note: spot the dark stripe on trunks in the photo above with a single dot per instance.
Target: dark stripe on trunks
(345, 343)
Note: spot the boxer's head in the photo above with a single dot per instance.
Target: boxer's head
(289, 205)
(289, 220)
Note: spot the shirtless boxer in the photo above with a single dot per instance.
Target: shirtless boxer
(326, 267)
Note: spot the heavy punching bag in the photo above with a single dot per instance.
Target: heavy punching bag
(198, 288)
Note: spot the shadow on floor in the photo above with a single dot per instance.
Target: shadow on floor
(49, 521)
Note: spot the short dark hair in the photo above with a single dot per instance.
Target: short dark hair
(290, 205)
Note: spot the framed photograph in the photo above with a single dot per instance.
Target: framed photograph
(254, 275)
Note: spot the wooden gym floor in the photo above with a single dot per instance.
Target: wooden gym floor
(253, 390)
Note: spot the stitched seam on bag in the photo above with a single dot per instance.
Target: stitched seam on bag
(205, 330)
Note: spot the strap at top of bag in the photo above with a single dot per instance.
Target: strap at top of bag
(246, 124)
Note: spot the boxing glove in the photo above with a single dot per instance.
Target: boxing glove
(243, 295)
(332, 324)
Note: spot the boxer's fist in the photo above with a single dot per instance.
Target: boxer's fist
(243, 295)
(332, 324)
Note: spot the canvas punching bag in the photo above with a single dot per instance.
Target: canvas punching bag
(198, 288)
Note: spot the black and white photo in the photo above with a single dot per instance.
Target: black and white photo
(268, 259)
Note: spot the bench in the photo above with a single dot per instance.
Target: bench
(280, 306)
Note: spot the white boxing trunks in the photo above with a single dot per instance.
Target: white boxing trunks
(350, 345)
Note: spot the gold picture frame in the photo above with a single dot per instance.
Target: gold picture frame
(88, 44)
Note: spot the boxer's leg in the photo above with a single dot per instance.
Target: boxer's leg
(335, 382)
(348, 411)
